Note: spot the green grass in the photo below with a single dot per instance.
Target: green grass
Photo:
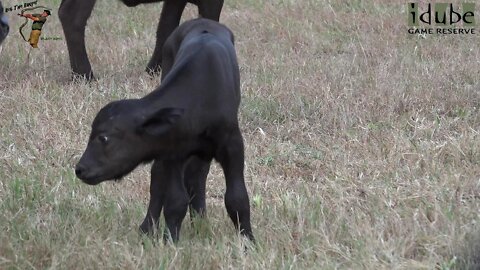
(362, 145)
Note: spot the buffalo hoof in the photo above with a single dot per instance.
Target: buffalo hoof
(83, 76)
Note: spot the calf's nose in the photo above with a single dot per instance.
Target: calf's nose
(79, 169)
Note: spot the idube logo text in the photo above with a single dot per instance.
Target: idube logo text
(441, 18)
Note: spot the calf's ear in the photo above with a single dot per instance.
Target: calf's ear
(159, 121)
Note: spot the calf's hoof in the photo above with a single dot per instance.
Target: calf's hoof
(153, 70)
(251, 238)
(147, 228)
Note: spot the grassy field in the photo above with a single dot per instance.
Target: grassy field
(362, 144)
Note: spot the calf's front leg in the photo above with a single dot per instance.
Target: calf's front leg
(176, 200)
(157, 197)
(196, 172)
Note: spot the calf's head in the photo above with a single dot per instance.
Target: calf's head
(3, 24)
(124, 134)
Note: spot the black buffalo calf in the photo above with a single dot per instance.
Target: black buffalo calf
(3, 24)
(190, 119)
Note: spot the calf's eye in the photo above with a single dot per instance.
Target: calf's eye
(103, 139)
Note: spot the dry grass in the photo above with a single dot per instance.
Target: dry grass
(363, 145)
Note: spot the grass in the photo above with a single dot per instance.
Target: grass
(362, 145)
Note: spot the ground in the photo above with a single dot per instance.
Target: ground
(362, 144)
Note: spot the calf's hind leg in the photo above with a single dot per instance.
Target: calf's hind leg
(230, 155)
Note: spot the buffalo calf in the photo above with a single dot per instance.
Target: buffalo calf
(190, 119)
(74, 15)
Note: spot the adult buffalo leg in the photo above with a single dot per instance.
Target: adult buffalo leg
(169, 20)
(157, 197)
(230, 155)
(210, 9)
(73, 15)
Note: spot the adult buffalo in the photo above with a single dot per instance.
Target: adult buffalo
(3, 24)
(74, 14)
